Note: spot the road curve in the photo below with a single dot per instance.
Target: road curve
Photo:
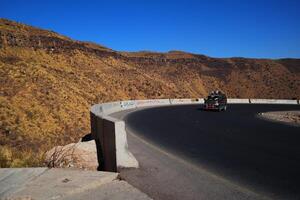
(236, 146)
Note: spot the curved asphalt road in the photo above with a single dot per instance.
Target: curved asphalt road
(251, 157)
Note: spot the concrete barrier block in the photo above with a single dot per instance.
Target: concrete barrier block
(116, 153)
(117, 106)
(273, 101)
(152, 102)
(186, 101)
(198, 100)
(110, 136)
(108, 108)
(238, 101)
(124, 156)
(125, 105)
(97, 109)
(180, 101)
(111, 141)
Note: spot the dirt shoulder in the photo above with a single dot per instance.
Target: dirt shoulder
(289, 117)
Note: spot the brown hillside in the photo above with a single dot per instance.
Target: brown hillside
(48, 83)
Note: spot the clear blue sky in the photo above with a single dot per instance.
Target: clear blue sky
(247, 28)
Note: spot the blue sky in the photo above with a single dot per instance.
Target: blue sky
(245, 28)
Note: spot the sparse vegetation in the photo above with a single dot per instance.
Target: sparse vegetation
(48, 83)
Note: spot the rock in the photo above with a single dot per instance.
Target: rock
(75, 155)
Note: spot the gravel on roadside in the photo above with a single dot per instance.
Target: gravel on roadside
(289, 117)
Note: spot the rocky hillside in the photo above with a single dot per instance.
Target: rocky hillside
(48, 83)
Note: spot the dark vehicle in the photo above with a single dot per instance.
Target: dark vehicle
(215, 101)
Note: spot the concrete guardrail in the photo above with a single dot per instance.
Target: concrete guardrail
(273, 101)
(110, 135)
(233, 101)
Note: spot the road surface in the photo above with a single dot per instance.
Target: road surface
(188, 153)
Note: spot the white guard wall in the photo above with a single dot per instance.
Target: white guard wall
(273, 101)
(152, 102)
(110, 135)
(186, 101)
(238, 101)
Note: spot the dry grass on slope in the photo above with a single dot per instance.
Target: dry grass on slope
(19, 28)
(45, 98)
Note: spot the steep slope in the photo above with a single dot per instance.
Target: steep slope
(48, 83)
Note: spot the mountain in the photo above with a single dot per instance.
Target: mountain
(48, 83)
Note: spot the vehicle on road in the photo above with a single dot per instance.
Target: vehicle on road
(216, 100)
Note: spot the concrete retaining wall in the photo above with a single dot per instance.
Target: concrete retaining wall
(152, 102)
(273, 101)
(115, 145)
(180, 101)
(186, 101)
(111, 140)
(201, 101)
(110, 135)
(125, 105)
(238, 101)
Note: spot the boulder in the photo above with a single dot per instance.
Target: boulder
(75, 155)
